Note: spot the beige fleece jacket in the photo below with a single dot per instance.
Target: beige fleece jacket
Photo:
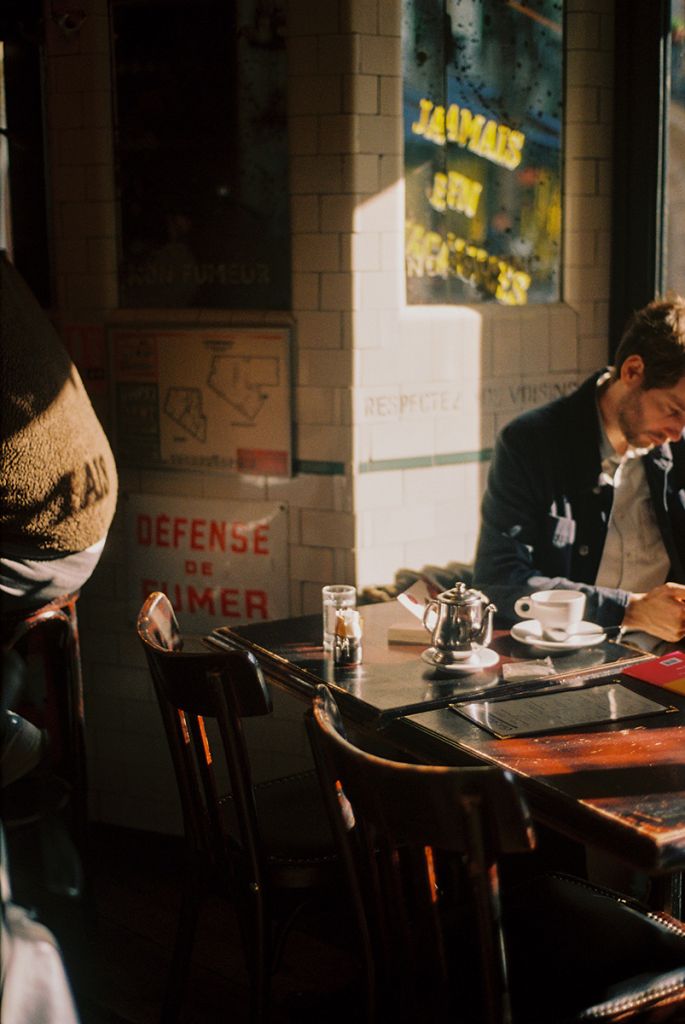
(58, 480)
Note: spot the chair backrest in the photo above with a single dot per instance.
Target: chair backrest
(192, 686)
(50, 634)
(421, 845)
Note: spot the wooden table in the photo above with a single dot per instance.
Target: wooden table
(619, 787)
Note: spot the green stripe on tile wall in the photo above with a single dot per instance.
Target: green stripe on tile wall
(385, 465)
(454, 458)
(418, 461)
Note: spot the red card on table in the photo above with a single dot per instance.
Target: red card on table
(668, 671)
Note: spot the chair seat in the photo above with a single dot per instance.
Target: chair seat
(293, 822)
(595, 953)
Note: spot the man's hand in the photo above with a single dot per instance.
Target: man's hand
(660, 611)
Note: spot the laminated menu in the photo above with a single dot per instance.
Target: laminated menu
(555, 712)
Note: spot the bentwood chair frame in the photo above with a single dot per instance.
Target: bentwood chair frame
(576, 952)
(394, 824)
(57, 624)
(226, 836)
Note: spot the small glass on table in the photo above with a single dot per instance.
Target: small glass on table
(335, 597)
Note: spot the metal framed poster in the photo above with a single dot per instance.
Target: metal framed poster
(205, 398)
(201, 153)
(483, 89)
(219, 562)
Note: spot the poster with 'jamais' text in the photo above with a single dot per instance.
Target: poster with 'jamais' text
(482, 142)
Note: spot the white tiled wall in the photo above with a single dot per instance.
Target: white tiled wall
(373, 379)
(475, 360)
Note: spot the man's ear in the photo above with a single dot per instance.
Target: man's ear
(633, 371)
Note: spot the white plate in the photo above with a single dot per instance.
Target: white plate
(476, 662)
(529, 631)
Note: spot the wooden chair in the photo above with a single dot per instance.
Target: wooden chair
(51, 633)
(421, 846)
(267, 846)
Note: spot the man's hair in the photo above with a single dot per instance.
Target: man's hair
(657, 334)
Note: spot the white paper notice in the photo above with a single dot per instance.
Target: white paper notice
(415, 599)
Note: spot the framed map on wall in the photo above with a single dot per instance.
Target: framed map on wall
(204, 398)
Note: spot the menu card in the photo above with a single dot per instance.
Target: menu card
(668, 671)
(554, 712)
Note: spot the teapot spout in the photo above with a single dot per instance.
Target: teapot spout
(484, 637)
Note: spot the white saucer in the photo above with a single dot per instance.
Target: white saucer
(475, 662)
(529, 631)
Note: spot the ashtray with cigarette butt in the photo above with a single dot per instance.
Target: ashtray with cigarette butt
(347, 644)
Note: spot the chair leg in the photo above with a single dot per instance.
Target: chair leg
(77, 732)
(282, 932)
(183, 947)
(255, 925)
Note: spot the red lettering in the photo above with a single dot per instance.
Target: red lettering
(193, 568)
(255, 601)
(217, 536)
(143, 530)
(180, 524)
(239, 544)
(229, 604)
(197, 600)
(201, 535)
(197, 534)
(261, 539)
(162, 531)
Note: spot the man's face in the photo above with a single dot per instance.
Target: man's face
(652, 416)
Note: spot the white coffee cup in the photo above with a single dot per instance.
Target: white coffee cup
(559, 612)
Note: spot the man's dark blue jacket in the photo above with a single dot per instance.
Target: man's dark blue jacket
(545, 511)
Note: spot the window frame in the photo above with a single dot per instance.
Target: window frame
(641, 95)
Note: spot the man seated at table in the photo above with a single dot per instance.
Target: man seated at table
(588, 491)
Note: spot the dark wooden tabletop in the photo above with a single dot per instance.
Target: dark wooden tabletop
(619, 786)
(392, 680)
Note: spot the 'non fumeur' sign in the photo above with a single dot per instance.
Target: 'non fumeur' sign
(219, 562)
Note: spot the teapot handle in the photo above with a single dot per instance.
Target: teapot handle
(429, 606)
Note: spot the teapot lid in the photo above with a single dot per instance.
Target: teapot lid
(461, 595)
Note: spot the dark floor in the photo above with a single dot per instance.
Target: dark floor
(117, 956)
